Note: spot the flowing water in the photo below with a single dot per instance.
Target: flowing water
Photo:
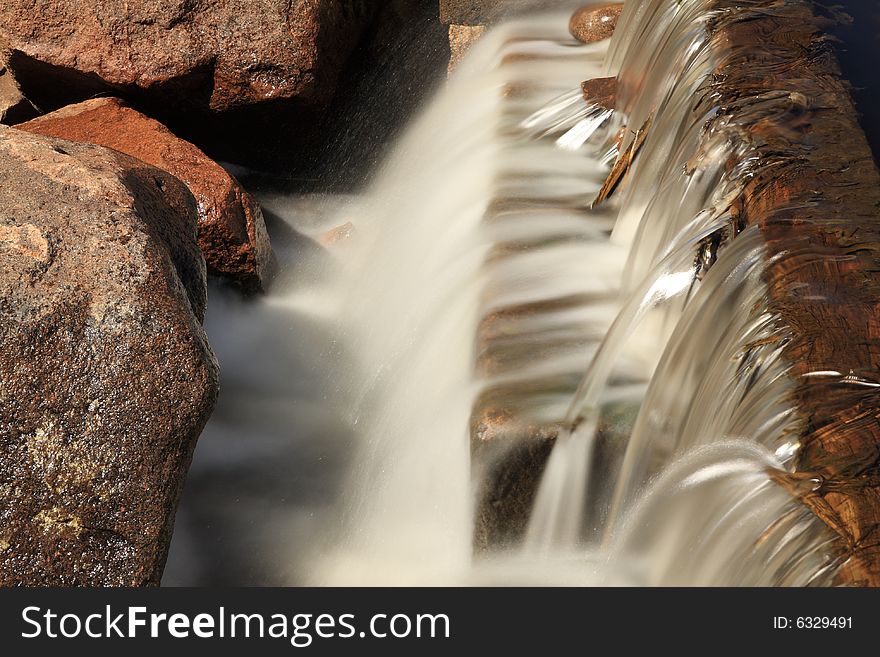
(479, 275)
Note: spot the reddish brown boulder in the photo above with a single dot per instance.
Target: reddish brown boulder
(107, 377)
(232, 232)
(220, 55)
(595, 22)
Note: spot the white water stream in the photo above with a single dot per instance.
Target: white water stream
(606, 322)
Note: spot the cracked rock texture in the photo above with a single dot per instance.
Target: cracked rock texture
(106, 377)
(232, 232)
(14, 107)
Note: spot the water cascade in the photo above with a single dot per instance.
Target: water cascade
(541, 389)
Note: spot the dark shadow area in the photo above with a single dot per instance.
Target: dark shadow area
(391, 74)
(51, 87)
(857, 50)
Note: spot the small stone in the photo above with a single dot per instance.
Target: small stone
(601, 92)
(336, 235)
(595, 22)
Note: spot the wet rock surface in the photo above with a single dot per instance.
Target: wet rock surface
(107, 378)
(232, 232)
(814, 189)
(483, 12)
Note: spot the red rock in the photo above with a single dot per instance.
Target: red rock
(220, 55)
(595, 22)
(107, 375)
(232, 232)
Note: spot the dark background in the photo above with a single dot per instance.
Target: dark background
(858, 49)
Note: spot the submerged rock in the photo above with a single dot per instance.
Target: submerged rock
(336, 235)
(107, 377)
(232, 232)
(219, 55)
(511, 453)
(595, 22)
(601, 92)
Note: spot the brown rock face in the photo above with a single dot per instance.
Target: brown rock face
(217, 54)
(107, 378)
(232, 232)
(595, 22)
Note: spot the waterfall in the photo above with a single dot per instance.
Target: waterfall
(453, 218)
(717, 401)
(484, 302)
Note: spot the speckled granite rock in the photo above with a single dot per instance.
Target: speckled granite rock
(106, 377)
